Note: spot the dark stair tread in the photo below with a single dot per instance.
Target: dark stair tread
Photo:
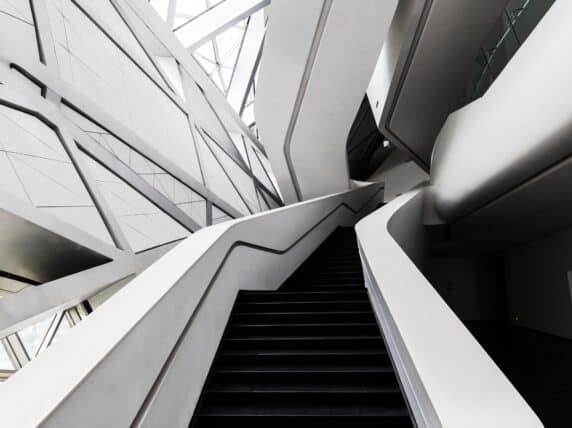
(284, 353)
(303, 421)
(309, 370)
(306, 324)
(305, 313)
(302, 338)
(309, 410)
(300, 293)
(303, 302)
(305, 389)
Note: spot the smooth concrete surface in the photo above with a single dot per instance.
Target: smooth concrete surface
(520, 128)
(539, 206)
(438, 41)
(399, 175)
(312, 79)
(144, 354)
(447, 377)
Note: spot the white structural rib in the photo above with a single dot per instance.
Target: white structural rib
(216, 20)
(143, 356)
(247, 62)
(317, 63)
(449, 380)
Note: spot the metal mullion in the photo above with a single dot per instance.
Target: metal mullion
(73, 316)
(16, 350)
(49, 336)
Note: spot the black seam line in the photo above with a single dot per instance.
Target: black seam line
(17, 18)
(14, 277)
(37, 30)
(406, 68)
(164, 369)
(160, 245)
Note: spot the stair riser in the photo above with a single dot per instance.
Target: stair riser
(316, 306)
(302, 398)
(360, 295)
(301, 379)
(303, 318)
(302, 422)
(351, 361)
(309, 330)
(323, 344)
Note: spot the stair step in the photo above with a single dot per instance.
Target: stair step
(301, 329)
(306, 342)
(305, 389)
(322, 295)
(298, 358)
(356, 376)
(296, 396)
(309, 409)
(301, 317)
(312, 305)
(261, 420)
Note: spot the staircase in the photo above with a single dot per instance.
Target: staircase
(308, 355)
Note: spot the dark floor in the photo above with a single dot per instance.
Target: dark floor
(539, 365)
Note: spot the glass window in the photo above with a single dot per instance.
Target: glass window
(5, 361)
(33, 335)
(513, 27)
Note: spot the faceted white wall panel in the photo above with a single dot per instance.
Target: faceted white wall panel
(36, 168)
(17, 27)
(144, 224)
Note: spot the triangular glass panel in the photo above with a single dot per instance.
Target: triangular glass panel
(33, 335)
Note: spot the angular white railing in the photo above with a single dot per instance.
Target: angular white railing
(448, 378)
(142, 357)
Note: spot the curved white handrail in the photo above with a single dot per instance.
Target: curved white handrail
(142, 357)
(448, 378)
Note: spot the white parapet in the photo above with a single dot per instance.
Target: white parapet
(449, 380)
(142, 357)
